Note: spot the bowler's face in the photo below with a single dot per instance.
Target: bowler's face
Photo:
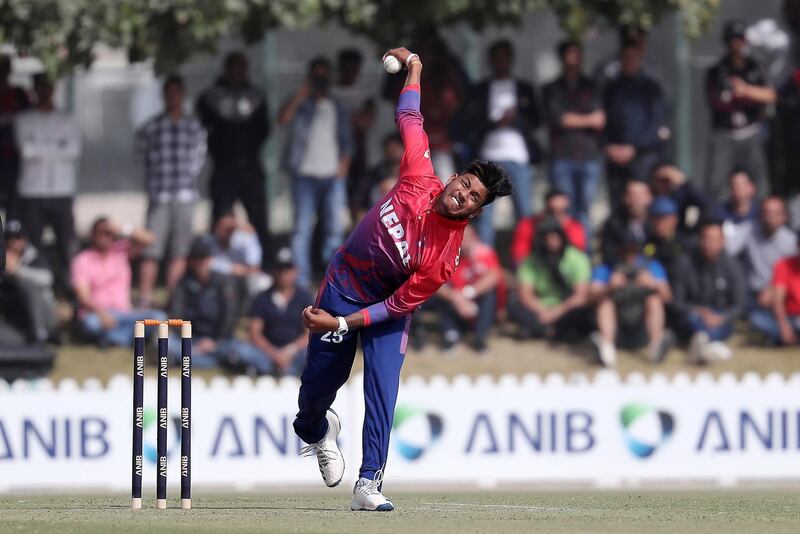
(462, 196)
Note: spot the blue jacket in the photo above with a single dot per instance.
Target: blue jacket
(297, 140)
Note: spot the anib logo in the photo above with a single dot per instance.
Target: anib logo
(645, 428)
(414, 431)
(150, 429)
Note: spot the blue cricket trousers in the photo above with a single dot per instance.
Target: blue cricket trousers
(329, 361)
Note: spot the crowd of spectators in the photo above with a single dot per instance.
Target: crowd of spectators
(677, 261)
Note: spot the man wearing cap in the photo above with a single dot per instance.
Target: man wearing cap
(738, 92)
(207, 299)
(630, 295)
(665, 242)
(278, 338)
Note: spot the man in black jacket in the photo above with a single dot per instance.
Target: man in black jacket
(630, 221)
(709, 294)
(502, 115)
(235, 114)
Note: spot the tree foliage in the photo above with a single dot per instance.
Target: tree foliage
(64, 33)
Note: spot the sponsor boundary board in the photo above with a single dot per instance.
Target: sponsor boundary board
(604, 431)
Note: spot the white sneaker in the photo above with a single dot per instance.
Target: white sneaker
(606, 352)
(698, 348)
(329, 456)
(717, 351)
(367, 495)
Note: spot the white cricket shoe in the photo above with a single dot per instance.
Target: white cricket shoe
(367, 495)
(698, 348)
(329, 456)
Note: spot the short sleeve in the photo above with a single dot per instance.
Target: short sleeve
(526, 274)
(601, 274)
(780, 276)
(657, 270)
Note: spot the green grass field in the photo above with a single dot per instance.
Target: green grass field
(629, 511)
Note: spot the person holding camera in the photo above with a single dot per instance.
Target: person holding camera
(630, 294)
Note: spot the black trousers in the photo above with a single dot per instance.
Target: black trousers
(36, 214)
(246, 183)
(573, 325)
(450, 320)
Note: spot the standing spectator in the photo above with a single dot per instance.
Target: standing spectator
(278, 339)
(503, 115)
(669, 181)
(665, 242)
(576, 121)
(50, 145)
(781, 323)
(468, 301)
(556, 205)
(236, 252)
(174, 149)
(208, 300)
(318, 157)
(101, 280)
(740, 213)
(630, 295)
(30, 284)
(738, 93)
(552, 286)
(235, 114)
(13, 100)
(635, 122)
(709, 295)
(359, 103)
(628, 222)
(769, 241)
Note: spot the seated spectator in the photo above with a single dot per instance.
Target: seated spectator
(383, 176)
(769, 241)
(630, 295)
(236, 252)
(669, 181)
(207, 299)
(278, 338)
(101, 280)
(556, 204)
(740, 213)
(781, 324)
(665, 243)
(552, 286)
(709, 294)
(30, 282)
(628, 223)
(468, 301)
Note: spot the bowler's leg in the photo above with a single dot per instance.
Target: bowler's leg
(384, 346)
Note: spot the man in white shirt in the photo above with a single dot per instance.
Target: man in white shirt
(318, 157)
(49, 145)
(503, 115)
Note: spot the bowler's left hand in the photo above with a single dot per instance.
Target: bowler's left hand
(317, 320)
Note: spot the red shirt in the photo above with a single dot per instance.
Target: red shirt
(786, 275)
(522, 243)
(402, 251)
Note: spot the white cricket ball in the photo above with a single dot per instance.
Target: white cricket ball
(391, 64)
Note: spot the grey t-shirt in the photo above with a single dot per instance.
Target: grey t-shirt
(762, 253)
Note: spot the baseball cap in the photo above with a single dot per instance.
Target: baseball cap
(663, 206)
(14, 230)
(734, 29)
(284, 259)
(201, 248)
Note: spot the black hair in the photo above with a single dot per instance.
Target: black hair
(501, 45)
(554, 192)
(232, 57)
(393, 137)
(631, 35)
(566, 44)
(708, 219)
(491, 175)
(741, 170)
(319, 61)
(97, 222)
(173, 79)
(350, 55)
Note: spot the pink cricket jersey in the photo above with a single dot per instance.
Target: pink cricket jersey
(402, 251)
